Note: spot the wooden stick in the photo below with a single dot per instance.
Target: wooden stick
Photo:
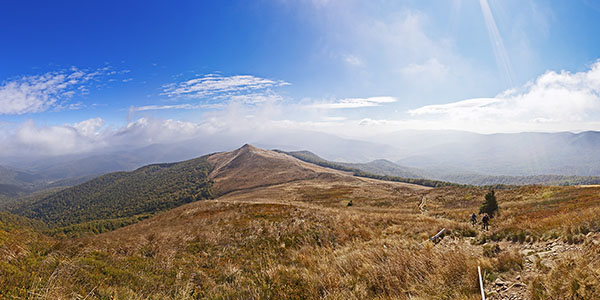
(438, 234)
(481, 283)
(434, 237)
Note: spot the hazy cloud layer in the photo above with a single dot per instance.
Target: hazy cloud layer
(555, 101)
(93, 135)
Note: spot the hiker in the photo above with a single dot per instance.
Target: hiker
(474, 218)
(485, 220)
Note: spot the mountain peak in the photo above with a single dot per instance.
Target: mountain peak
(248, 147)
(249, 167)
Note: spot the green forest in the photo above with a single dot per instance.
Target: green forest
(121, 198)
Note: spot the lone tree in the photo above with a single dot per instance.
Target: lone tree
(489, 205)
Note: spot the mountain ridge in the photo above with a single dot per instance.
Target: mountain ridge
(159, 187)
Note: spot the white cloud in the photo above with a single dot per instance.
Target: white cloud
(89, 127)
(52, 140)
(354, 103)
(554, 101)
(38, 93)
(214, 84)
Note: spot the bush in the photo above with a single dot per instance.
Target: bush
(489, 205)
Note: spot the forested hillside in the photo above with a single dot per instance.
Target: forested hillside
(146, 190)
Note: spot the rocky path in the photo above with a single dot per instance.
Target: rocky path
(538, 258)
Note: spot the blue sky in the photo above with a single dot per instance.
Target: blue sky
(85, 71)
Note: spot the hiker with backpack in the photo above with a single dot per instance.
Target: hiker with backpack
(485, 220)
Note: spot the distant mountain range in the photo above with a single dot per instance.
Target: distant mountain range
(515, 154)
(117, 199)
(460, 157)
(432, 178)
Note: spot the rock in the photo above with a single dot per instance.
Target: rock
(518, 277)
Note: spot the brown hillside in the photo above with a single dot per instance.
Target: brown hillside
(249, 244)
(250, 167)
(282, 229)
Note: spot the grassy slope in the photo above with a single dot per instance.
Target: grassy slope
(299, 240)
(264, 245)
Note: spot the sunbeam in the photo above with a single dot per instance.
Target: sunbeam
(500, 53)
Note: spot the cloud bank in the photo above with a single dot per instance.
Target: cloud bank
(91, 135)
(554, 101)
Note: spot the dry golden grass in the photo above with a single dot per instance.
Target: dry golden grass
(292, 236)
(264, 251)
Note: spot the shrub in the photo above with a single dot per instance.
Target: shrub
(489, 205)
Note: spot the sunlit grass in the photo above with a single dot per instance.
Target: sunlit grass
(305, 243)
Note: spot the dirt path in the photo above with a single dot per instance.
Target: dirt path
(422, 205)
